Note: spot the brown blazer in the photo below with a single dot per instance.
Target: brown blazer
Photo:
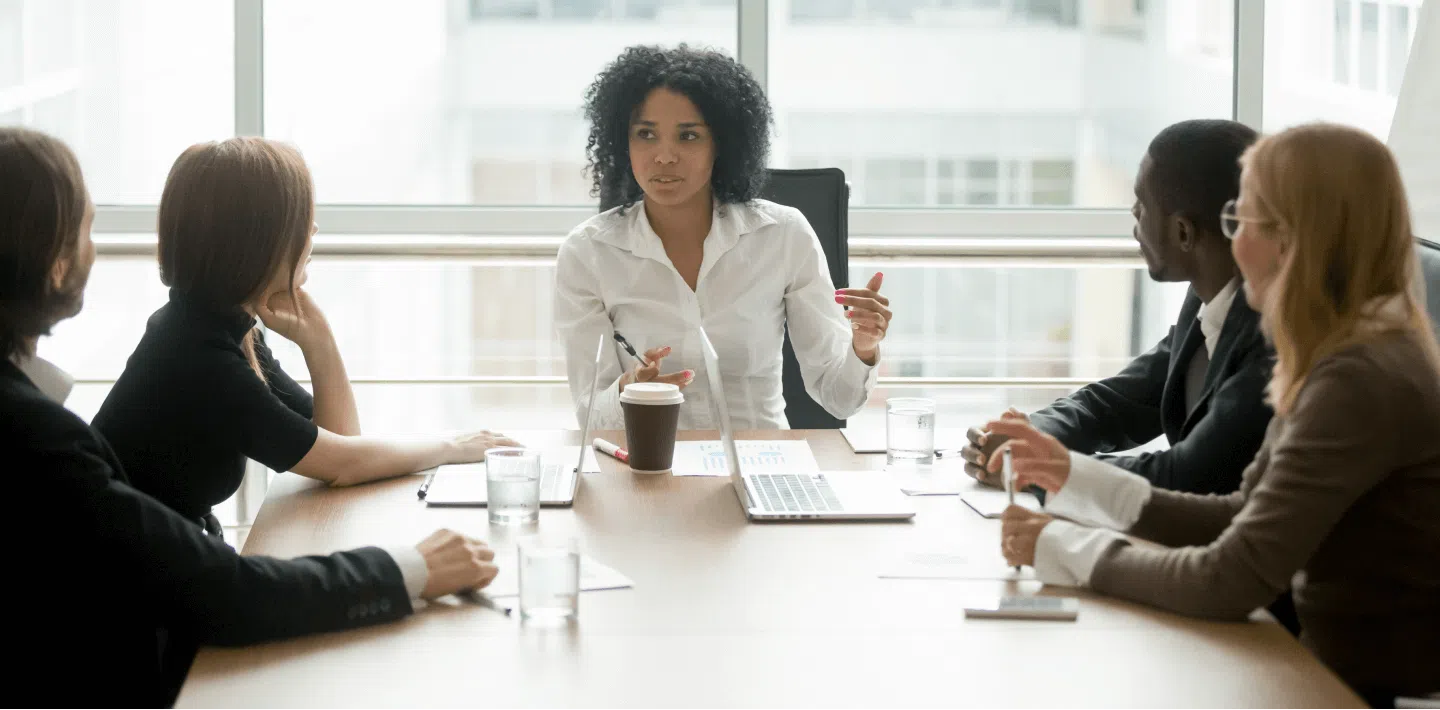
(1343, 497)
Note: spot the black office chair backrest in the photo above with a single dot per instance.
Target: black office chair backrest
(823, 197)
(1429, 253)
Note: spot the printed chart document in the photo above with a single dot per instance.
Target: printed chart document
(944, 564)
(991, 502)
(707, 458)
(594, 577)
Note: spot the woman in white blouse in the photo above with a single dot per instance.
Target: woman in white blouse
(681, 136)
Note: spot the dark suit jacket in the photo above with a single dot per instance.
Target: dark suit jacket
(112, 590)
(1210, 446)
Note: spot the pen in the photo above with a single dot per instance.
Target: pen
(611, 449)
(629, 348)
(425, 487)
(1009, 474)
(487, 602)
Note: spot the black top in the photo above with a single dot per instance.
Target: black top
(188, 409)
(1210, 445)
(115, 590)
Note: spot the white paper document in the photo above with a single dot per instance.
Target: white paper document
(594, 577)
(940, 564)
(946, 478)
(991, 502)
(707, 458)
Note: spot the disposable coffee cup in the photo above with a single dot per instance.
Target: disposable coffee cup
(652, 413)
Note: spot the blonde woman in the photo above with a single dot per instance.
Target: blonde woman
(1345, 490)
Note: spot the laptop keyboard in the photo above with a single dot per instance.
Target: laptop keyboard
(792, 493)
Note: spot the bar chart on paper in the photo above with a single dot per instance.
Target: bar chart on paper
(707, 458)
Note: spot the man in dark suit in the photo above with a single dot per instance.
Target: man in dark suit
(110, 590)
(1203, 385)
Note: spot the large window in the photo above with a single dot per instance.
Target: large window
(1009, 127)
(128, 83)
(443, 102)
(1016, 103)
(1336, 60)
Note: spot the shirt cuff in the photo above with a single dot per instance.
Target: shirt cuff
(1066, 553)
(412, 569)
(1100, 494)
(857, 371)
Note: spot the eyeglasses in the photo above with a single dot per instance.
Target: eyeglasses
(1230, 220)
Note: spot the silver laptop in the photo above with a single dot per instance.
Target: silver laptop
(800, 496)
(461, 485)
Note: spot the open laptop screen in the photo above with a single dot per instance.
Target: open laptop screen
(590, 405)
(720, 411)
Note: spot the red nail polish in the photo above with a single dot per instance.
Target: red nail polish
(840, 299)
(849, 314)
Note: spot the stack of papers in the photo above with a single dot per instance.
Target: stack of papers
(707, 458)
(992, 502)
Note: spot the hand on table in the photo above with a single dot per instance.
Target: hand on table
(469, 448)
(456, 563)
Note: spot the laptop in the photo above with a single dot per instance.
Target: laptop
(799, 496)
(463, 485)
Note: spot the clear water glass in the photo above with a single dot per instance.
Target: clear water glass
(910, 431)
(512, 486)
(549, 579)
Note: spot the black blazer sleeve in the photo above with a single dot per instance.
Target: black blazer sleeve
(1212, 457)
(194, 582)
(1115, 414)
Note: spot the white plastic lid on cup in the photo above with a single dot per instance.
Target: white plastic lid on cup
(652, 393)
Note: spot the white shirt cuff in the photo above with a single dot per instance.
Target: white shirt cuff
(1100, 494)
(412, 569)
(1066, 553)
(857, 371)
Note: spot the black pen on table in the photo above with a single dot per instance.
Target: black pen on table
(630, 348)
(487, 602)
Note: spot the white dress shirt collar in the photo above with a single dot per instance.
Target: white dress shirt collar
(52, 381)
(1212, 315)
(633, 232)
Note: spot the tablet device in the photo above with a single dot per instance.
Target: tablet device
(1044, 608)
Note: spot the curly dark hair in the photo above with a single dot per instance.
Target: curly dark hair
(727, 95)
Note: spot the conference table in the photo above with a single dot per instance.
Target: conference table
(724, 612)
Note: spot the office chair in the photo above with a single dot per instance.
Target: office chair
(1429, 255)
(823, 196)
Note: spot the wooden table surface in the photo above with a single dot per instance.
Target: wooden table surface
(730, 613)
